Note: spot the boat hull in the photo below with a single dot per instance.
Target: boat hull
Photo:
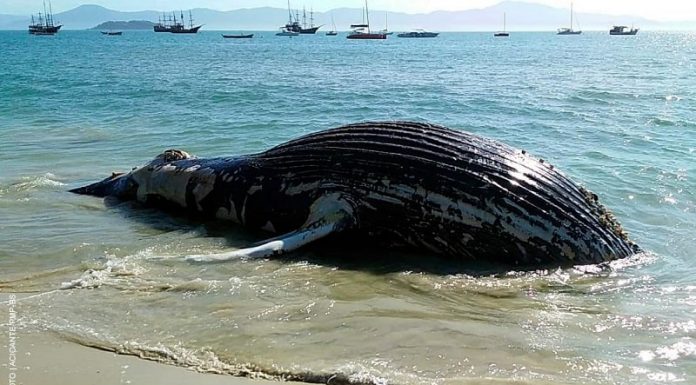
(309, 31)
(249, 36)
(416, 35)
(44, 30)
(367, 36)
(186, 30)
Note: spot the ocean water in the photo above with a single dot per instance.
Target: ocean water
(617, 114)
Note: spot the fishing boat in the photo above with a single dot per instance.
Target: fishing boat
(294, 25)
(622, 30)
(569, 30)
(504, 32)
(112, 33)
(239, 36)
(362, 31)
(417, 33)
(180, 27)
(333, 31)
(43, 24)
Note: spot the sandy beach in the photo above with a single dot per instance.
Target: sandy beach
(46, 359)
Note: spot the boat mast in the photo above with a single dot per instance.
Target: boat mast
(571, 15)
(50, 12)
(289, 13)
(367, 16)
(190, 19)
(504, 22)
(45, 14)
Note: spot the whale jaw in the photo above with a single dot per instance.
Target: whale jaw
(118, 185)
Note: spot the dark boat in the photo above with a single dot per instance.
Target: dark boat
(43, 24)
(294, 25)
(622, 30)
(164, 24)
(240, 36)
(362, 31)
(503, 33)
(418, 33)
(110, 33)
(180, 27)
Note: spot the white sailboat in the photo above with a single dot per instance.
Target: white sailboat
(569, 30)
(386, 25)
(333, 31)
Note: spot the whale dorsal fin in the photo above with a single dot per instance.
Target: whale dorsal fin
(328, 215)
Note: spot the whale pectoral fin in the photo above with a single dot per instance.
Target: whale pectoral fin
(328, 216)
(275, 246)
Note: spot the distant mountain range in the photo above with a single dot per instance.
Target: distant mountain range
(521, 16)
(126, 25)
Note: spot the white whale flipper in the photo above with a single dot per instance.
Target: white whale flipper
(329, 214)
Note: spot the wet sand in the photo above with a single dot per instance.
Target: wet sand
(46, 359)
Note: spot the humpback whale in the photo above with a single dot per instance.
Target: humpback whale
(426, 186)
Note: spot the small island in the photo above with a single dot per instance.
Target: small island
(125, 25)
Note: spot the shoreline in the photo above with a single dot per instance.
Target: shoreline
(44, 358)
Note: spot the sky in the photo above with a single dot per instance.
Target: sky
(662, 10)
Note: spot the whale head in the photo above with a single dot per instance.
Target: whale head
(125, 185)
(119, 185)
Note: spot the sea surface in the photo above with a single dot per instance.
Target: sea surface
(617, 114)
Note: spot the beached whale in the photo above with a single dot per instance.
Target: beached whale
(425, 186)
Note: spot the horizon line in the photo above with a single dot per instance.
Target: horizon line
(529, 2)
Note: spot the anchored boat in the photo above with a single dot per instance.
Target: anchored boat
(622, 30)
(569, 30)
(43, 24)
(418, 33)
(294, 25)
(504, 32)
(362, 31)
(180, 27)
(239, 36)
(333, 31)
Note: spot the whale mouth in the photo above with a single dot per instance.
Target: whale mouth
(119, 185)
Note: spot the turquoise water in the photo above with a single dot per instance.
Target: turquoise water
(617, 114)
